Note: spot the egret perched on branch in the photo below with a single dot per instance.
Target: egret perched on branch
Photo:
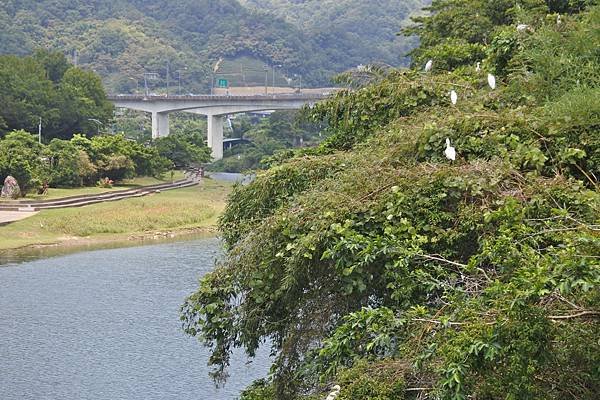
(453, 97)
(450, 151)
(492, 81)
(478, 67)
(429, 66)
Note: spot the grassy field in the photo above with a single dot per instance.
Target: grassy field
(176, 210)
(56, 193)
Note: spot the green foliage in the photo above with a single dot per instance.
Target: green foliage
(350, 116)
(76, 162)
(122, 40)
(281, 131)
(252, 203)
(362, 32)
(380, 381)
(68, 166)
(560, 58)
(181, 151)
(45, 86)
(20, 157)
(259, 390)
(456, 30)
(119, 158)
(474, 278)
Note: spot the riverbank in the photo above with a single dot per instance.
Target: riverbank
(58, 193)
(165, 215)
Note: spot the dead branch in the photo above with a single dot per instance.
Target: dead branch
(585, 313)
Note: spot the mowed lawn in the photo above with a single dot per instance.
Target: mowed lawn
(57, 193)
(195, 207)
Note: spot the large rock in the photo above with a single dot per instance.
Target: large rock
(11, 189)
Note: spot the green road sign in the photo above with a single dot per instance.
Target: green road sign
(223, 83)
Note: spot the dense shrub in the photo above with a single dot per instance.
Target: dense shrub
(20, 157)
(378, 264)
(77, 162)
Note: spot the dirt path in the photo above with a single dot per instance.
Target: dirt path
(7, 217)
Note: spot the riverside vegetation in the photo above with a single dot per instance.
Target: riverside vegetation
(375, 263)
(178, 212)
(72, 102)
(73, 159)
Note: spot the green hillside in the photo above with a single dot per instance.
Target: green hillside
(357, 31)
(122, 39)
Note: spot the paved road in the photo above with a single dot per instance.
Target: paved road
(12, 216)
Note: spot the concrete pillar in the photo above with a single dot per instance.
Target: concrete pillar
(160, 125)
(215, 135)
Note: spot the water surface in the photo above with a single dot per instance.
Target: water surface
(105, 325)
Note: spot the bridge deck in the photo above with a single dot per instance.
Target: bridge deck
(225, 98)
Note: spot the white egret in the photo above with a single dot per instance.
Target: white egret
(332, 396)
(429, 66)
(450, 151)
(492, 81)
(334, 393)
(478, 67)
(522, 27)
(558, 20)
(453, 97)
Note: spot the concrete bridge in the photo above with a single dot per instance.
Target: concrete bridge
(215, 108)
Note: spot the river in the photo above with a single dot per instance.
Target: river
(104, 325)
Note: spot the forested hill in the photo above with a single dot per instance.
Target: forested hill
(120, 39)
(355, 31)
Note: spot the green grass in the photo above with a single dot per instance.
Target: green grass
(58, 193)
(195, 207)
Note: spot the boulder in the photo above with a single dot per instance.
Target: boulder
(11, 189)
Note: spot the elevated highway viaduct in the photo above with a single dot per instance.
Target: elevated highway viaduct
(214, 107)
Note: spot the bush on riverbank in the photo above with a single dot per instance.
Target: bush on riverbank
(377, 263)
(82, 161)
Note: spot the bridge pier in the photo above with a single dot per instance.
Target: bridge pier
(215, 135)
(160, 124)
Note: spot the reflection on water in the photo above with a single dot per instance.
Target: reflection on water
(104, 325)
(16, 256)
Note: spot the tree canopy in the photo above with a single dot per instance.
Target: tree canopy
(46, 86)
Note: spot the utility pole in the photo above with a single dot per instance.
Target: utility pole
(148, 75)
(278, 66)
(214, 71)
(179, 73)
(266, 80)
(168, 75)
(40, 131)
